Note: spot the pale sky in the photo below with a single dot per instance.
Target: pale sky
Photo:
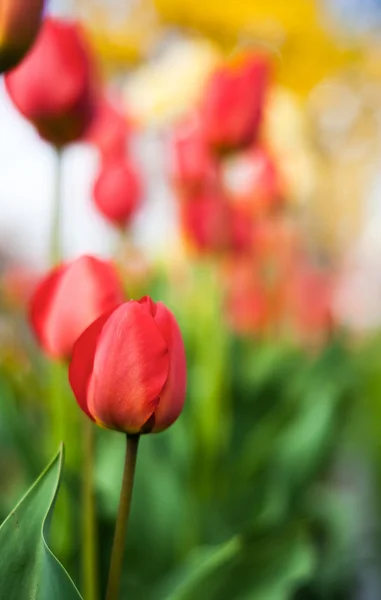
(26, 187)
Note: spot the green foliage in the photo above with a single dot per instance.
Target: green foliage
(239, 498)
(28, 568)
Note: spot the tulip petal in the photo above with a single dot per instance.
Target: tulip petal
(70, 299)
(82, 362)
(130, 369)
(173, 394)
(41, 302)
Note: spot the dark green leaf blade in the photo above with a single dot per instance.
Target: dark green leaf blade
(28, 568)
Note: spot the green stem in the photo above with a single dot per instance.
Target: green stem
(58, 424)
(117, 552)
(56, 230)
(89, 537)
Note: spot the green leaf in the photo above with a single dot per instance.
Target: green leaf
(28, 568)
(268, 567)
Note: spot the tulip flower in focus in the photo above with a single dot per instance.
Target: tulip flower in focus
(19, 24)
(69, 299)
(108, 130)
(117, 191)
(54, 86)
(232, 105)
(193, 167)
(128, 370)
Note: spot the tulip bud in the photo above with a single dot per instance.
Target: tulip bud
(232, 107)
(308, 296)
(211, 224)
(252, 180)
(128, 370)
(117, 191)
(247, 302)
(193, 168)
(54, 86)
(19, 24)
(69, 299)
(108, 131)
(206, 223)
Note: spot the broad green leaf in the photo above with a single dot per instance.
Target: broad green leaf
(28, 568)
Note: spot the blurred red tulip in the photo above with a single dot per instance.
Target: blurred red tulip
(205, 222)
(54, 87)
(109, 130)
(242, 230)
(210, 224)
(247, 303)
(117, 191)
(252, 180)
(309, 294)
(193, 167)
(277, 241)
(19, 24)
(69, 299)
(128, 370)
(232, 106)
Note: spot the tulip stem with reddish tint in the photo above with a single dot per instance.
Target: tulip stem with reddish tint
(89, 535)
(116, 563)
(56, 230)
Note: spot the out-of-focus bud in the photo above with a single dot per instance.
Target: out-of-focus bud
(242, 231)
(19, 24)
(251, 180)
(118, 191)
(205, 223)
(128, 370)
(277, 241)
(211, 224)
(309, 296)
(193, 168)
(69, 299)
(247, 306)
(109, 130)
(232, 105)
(54, 86)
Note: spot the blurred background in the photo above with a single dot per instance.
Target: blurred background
(267, 247)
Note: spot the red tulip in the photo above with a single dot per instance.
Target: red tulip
(69, 299)
(247, 300)
(242, 226)
(19, 24)
(232, 106)
(117, 191)
(193, 167)
(211, 224)
(54, 86)
(205, 222)
(309, 294)
(252, 181)
(128, 370)
(108, 131)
